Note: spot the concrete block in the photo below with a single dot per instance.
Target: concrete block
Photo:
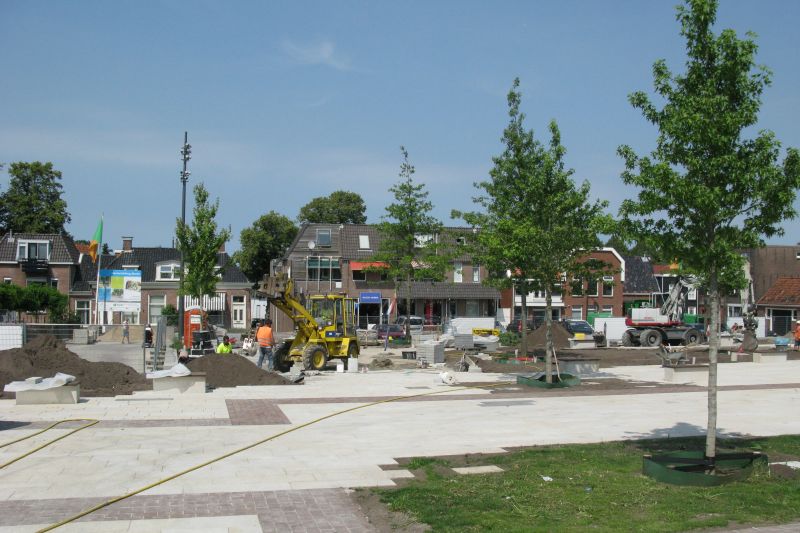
(352, 365)
(69, 393)
(777, 357)
(696, 374)
(579, 366)
(296, 370)
(194, 383)
(582, 343)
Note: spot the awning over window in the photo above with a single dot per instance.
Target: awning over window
(360, 265)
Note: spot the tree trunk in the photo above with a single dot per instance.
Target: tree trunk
(548, 318)
(523, 329)
(713, 349)
(408, 306)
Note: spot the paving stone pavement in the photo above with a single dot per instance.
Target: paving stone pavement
(255, 412)
(314, 510)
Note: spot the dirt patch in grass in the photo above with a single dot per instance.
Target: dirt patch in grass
(225, 370)
(382, 518)
(45, 355)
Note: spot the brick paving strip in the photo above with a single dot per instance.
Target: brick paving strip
(312, 510)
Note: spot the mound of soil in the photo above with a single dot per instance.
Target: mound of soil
(46, 355)
(223, 370)
(538, 337)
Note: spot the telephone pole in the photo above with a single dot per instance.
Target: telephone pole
(186, 152)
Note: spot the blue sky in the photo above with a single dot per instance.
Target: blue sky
(285, 101)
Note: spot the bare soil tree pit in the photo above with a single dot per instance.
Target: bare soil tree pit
(227, 370)
(44, 356)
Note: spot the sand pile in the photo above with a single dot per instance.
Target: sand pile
(228, 370)
(537, 338)
(46, 355)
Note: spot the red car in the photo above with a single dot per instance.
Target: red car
(395, 331)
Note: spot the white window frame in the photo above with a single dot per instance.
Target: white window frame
(734, 311)
(608, 284)
(589, 285)
(7, 281)
(476, 273)
(608, 309)
(174, 271)
(579, 309)
(23, 256)
(363, 242)
(422, 240)
(458, 272)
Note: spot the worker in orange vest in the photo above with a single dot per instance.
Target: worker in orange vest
(266, 342)
(797, 335)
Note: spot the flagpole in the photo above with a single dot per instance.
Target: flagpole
(99, 263)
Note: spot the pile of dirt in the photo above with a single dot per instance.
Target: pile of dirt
(223, 370)
(381, 361)
(538, 337)
(46, 355)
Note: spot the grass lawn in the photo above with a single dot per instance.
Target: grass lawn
(596, 487)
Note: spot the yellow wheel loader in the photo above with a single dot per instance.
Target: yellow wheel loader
(325, 327)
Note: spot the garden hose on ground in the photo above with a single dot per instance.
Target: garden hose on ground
(48, 443)
(253, 445)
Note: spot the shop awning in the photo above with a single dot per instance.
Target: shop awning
(361, 265)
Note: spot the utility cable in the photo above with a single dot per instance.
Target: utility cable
(48, 443)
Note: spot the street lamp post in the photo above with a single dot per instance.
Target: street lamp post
(186, 152)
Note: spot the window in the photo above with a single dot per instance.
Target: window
(608, 287)
(476, 273)
(577, 312)
(359, 275)
(422, 240)
(608, 309)
(577, 287)
(324, 238)
(473, 308)
(7, 281)
(82, 310)
(363, 242)
(734, 311)
(324, 269)
(461, 241)
(591, 288)
(458, 272)
(33, 250)
(169, 272)
(54, 283)
(592, 308)
(157, 303)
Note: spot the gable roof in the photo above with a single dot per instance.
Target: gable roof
(444, 289)
(63, 251)
(784, 292)
(639, 277)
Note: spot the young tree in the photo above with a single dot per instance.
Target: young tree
(536, 224)
(411, 244)
(33, 202)
(267, 239)
(200, 243)
(707, 191)
(340, 207)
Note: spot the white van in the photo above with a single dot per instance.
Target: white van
(416, 323)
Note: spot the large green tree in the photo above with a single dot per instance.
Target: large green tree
(340, 207)
(267, 239)
(411, 242)
(33, 202)
(536, 224)
(200, 243)
(706, 190)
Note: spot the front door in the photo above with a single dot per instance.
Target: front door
(238, 313)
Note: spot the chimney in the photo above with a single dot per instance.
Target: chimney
(127, 244)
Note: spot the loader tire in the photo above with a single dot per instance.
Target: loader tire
(315, 357)
(651, 337)
(280, 357)
(691, 336)
(627, 339)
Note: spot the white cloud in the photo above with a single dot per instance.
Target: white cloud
(323, 53)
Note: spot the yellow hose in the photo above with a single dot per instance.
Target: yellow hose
(51, 426)
(253, 445)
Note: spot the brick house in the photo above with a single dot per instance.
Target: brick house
(336, 258)
(160, 268)
(780, 305)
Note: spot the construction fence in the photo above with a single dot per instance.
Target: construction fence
(15, 335)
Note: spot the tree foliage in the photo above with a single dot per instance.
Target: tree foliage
(200, 243)
(536, 224)
(33, 202)
(707, 191)
(267, 239)
(411, 242)
(35, 299)
(340, 207)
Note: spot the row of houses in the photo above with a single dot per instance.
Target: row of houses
(57, 261)
(326, 258)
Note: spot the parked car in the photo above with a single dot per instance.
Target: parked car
(578, 326)
(395, 331)
(416, 322)
(515, 325)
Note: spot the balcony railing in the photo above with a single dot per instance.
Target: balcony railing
(34, 266)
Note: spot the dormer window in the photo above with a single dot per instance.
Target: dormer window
(33, 250)
(168, 272)
(324, 238)
(363, 242)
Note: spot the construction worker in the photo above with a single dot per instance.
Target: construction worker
(266, 341)
(225, 345)
(797, 335)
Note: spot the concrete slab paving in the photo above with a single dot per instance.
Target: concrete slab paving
(347, 450)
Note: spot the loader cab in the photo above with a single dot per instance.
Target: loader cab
(335, 314)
